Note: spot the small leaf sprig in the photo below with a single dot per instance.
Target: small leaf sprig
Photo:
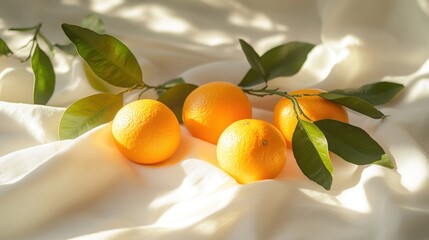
(312, 140)
(44, 75)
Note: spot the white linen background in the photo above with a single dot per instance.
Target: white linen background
(85, 189)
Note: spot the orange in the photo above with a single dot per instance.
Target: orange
(314, 107)
(251, 150)
(212, 107)
(146, 131)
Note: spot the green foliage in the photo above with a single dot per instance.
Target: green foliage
(24, 29)
(385, 161)
(169, 84)
(355, 103)
(4, 49)
(89, 112)
(175, 96)
(310, 149)
(91, 22)
(284, 60)
(254, 60)
(44, 76)
(374, 93)
(107, 57)
(93, 80)
(349, 142)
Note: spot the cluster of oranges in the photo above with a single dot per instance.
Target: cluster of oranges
(147, 131)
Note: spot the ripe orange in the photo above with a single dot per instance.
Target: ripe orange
(314, 107)
(251, 150)
(146, 131)
(212, 107)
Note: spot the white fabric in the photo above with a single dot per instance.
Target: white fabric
(85, 189)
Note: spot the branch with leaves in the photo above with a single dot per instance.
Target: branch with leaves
(44, 76)
(312, 140)
(111, 61)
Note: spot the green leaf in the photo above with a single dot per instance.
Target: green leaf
(107, 57)
(385, 161)
(284, 60)
(310, 149)
(67, 48)
(349, 142)
(169, 84)
(94, 23)
(4, 49)
(254, 59)
(44, 76)
(175, 97)
(95, 82)
(375, 93)
(23, 29)
(87, 113)
(354, 103)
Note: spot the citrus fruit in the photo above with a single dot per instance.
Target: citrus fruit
(146, 131)
(212, 107)
(314, 107)
(251, 150)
